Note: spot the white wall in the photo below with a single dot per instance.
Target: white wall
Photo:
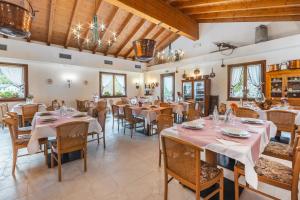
(43, 63)
(274, 51)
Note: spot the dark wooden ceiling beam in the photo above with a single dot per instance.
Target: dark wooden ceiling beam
(111, 18)
(195, 3)
(159, 12)
(144, 35)
(130, 36)
(163, 41)
(51, 21)
(250, 13)
(90, 19)
(72, 22)
(121, 29)
(241, 5)
(252, 19)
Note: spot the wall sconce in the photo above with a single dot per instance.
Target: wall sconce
(69, 83)
(49, 81)
(137, 86)
(85, 82)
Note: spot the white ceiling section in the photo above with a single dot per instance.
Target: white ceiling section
(237, 33)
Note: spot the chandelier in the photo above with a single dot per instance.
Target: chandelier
(91, 34)
(169, 56)
(16, 18)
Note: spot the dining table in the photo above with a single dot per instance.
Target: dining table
(18, 107)
(213, 141)
(42, 128)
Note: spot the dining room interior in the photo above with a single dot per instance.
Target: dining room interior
(149, 99)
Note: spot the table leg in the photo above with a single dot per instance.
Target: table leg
(211, 157)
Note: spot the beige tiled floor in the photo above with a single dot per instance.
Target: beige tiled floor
(126, 170)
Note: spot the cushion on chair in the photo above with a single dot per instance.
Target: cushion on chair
(208, 172)
(272, 170)
(279, 150)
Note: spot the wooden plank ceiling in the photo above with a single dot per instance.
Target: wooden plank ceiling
(214, 11)
(55, 20)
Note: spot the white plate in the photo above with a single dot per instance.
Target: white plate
(80, 114)
(252, 121)
(235, 132)
(237, 136)
(193, 125)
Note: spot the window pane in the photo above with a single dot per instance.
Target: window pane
(107, 85)
(253, 81)
(120, 85)
(236, 82)
(168, 88)
(12, 82)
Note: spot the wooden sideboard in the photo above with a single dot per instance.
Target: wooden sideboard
(284, 83)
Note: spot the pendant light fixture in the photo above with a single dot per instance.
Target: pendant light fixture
(16, 19)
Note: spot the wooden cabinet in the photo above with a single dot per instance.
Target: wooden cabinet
(285, 83)
(199, 91)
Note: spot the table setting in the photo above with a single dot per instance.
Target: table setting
(44, 125)
(242, 139)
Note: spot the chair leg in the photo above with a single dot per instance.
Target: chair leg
(236, 184)
(221, 192)
(131, 130)
(104, 142)
(15, 156)
(292, 138)
(59, 166)
(124, 128)
(85, 159)
(197, 193)
(52, 159)
(118, 125)
(166, 187)
(98, 138)
(46, 152)
(159, 151)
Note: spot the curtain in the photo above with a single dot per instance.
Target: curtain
(14, 74)
(120, 84)
(236, 75)
(254, 75)
(107, 84)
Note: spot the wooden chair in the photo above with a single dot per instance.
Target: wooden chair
(28, 112)
(285, 121)
(193, 115)
(20, 130)
(156, 102)
(101, 117)
(246, 112)
(55, 104)
(222, 108)
(131, 121)
(3, 111)
(119, 103)
(20, 141)
(272, 173)
(125, 100)
(163, 104)
(166, 111)
(117, 115)
(163, 122)
(182, 162)
(82, 106)
(71, 136)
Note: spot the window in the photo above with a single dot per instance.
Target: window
(112, 85)
(167, 87)
(13, 82)
(245, 80)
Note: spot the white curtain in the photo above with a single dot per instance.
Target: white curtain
(107, 84)
(254, 75)
(236, 75)
(14, 74)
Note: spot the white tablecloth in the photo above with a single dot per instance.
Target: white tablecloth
(45, 130)
(209, 138)
(18, 108)
(180, 107)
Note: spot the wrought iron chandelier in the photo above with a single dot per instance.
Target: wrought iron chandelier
(169, 56)
(91, 34)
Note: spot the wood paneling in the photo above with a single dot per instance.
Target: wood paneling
(159, 12)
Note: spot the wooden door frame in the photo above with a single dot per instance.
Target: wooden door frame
(162, 84)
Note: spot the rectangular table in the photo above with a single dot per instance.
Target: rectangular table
(245, 150)
(45, 130)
